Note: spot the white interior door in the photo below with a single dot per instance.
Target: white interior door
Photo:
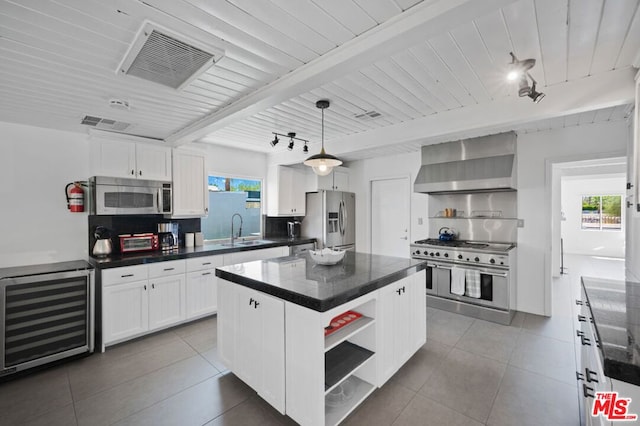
(390, 217)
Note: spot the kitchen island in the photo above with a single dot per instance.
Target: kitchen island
(315, 340)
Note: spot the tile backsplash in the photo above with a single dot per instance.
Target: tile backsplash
(136, 224)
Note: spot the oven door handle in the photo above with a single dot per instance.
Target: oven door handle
(482, 271)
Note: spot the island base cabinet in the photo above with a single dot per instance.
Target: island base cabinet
(402, 330)
(251, 340)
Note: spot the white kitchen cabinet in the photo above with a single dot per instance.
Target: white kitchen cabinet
(256, 335)
(142, 298)
(130, 160)
(337, 180)
(166, 301)
(402, 328)
(202, 284)
(286, 191)
(190, 188)
(125, 311)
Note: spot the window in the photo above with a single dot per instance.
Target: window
(228, 196)
(602, 212)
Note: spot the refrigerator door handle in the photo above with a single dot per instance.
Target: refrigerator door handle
(341, 217)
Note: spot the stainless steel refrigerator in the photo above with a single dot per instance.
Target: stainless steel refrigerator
(331, 219)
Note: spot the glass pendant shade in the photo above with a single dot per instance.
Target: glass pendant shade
(322, 163)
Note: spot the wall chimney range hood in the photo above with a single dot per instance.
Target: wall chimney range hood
(484, 164)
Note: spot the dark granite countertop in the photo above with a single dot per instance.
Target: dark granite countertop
(46, 268)
(615, 307)
(208, 249)
(320, 287)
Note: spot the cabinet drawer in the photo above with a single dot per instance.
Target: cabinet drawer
(162, 269)
(126, 274)
(205, 262)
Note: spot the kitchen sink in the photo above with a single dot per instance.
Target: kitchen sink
(247, 243)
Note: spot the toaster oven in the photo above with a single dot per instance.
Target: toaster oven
(138, 242)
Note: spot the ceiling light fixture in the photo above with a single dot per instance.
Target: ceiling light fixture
(519, 70)
(291, 136)
(305, 148)
(322, 163)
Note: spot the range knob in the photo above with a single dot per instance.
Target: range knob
(438, 253)
(431, 254)
(417, 252)
(459, 256)
(477, 259)
(492, 261)
(446, 255)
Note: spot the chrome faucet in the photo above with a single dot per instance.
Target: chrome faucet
(239, 230)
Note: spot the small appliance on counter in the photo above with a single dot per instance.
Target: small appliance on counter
(138, 242)
(102, 246)
(446, 234)
(168, 235)
(293, 229)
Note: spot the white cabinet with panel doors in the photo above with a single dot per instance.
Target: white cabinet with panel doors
(141, 298)
(254, 339)
(133, 160)
(202, 285)
(286, 191)
(402, 326)
(190, 184)
(337, 180)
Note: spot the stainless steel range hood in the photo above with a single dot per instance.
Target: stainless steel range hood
(470, 165)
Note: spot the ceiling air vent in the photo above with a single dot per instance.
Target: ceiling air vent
(368, 115)
(104, 123)
(165, 58)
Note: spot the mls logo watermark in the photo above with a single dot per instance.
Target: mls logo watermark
(612, 408)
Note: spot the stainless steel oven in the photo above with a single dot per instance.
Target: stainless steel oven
(114, 196)
(47, 314)
(492, 265)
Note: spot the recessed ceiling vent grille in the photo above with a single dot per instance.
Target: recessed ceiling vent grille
(368, 115)
(104, 123)
(162, 57)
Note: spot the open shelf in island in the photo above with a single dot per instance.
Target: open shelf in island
(334, 339)
(341, 361)
(335, 412)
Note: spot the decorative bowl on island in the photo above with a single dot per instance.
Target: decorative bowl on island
(326, 256)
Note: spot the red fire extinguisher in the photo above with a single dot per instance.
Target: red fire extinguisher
(75, 197)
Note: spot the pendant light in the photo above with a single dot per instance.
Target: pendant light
(322, 163)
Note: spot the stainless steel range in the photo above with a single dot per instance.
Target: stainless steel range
(475, 278)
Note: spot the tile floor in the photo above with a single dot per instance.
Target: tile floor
(470, 372)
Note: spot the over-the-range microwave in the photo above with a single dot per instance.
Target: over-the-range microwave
(116, 196)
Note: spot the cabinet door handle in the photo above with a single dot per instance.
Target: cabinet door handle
(587, 391)
(580, 333)
(403, 289)
(588, 374)
(126, 275)
(206, 263)
(579, 376)
(399, 291)
(251, 301)
(153, 286)
(582, 318)
(169, 269)
(585, 341)
(133, 172)
(140, 172)
(145, 287)
(255, 304)
(206, 273)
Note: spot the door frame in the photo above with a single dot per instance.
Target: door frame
(370, 209)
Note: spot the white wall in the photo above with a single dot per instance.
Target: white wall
(536, 154)
(35, 166)
(364, 171)
(590, 242)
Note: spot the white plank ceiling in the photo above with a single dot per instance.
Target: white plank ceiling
(59, 63)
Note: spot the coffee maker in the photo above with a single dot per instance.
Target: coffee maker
(168, 235)
(293, 229)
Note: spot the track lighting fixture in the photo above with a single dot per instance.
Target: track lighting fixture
(322, 163)
(305, 148)
(292, 138)
(519, 70)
